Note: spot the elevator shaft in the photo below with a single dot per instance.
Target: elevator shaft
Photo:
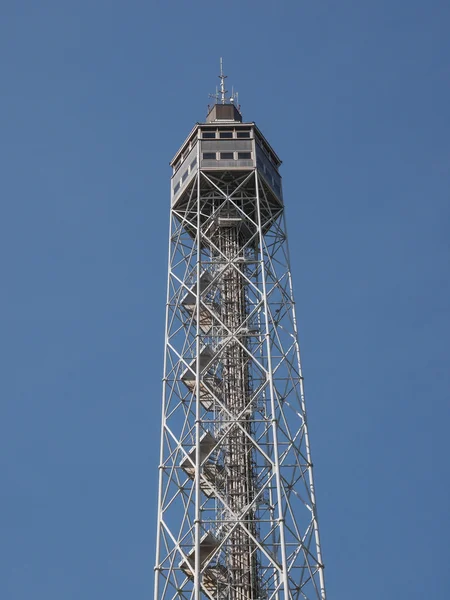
(241, 561)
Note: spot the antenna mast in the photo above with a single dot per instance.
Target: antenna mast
(222, 78)
(221, 95)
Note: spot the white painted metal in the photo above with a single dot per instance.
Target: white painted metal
(222, 77)
(237, 517)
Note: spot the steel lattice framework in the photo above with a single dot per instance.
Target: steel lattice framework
(237, 513)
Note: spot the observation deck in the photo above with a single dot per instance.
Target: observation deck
(224, 144)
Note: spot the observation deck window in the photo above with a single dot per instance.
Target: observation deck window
(244, 155)
(243, 134)
(209, 155)
(225, 134)
(227, 155)
(207, 135)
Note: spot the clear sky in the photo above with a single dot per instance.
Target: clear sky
(96, 98)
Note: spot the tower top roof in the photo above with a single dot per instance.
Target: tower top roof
(223, 113)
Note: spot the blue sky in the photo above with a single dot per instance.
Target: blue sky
(96, 98)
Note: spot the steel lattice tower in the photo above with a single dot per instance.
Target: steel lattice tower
(237, 513)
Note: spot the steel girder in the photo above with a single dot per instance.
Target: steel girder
(237, 516)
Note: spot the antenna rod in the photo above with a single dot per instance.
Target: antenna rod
(222, 78)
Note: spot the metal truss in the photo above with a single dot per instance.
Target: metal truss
(237, 515)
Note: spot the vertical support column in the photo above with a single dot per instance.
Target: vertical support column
(197, 518)
(272, 400)
(306, 433)
(157, 569)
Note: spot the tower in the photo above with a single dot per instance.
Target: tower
(237, 515)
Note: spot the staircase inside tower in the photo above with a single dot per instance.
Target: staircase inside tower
(232, 572)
